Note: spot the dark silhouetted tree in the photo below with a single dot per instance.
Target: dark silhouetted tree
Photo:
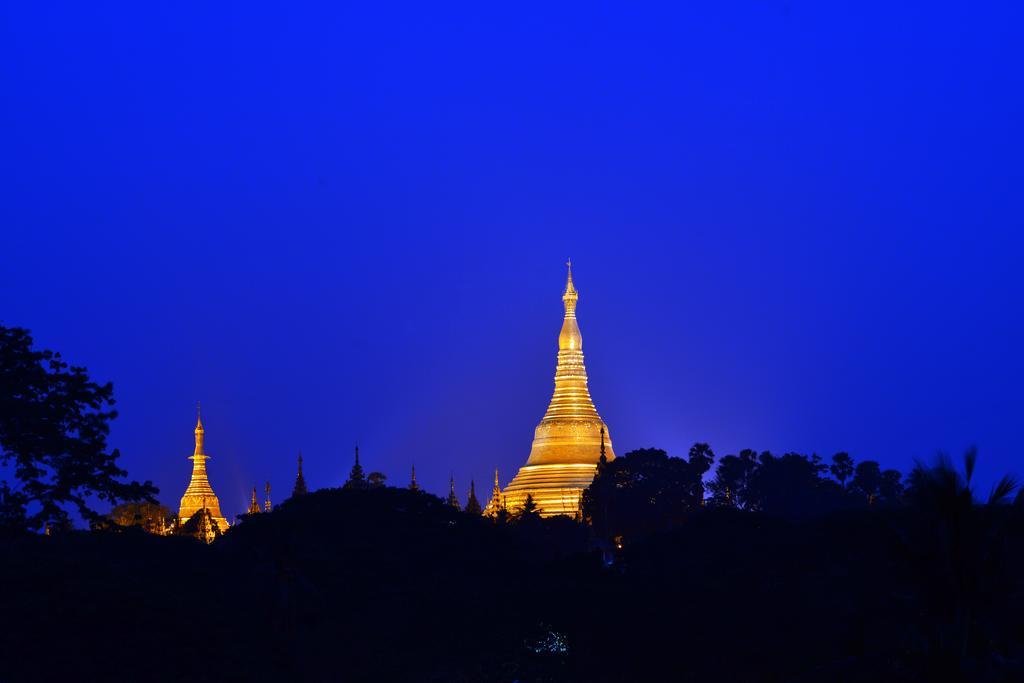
(201, 526)
(639, 494)
(890, 488)
(502, 516)
(842, 467)
(54, 423)
(792, 486)
(965, 567)
(700, 459)
(151, 517)
(375, 480)
(729, 487)
(867, 480)
(12, 508)
(529, 512)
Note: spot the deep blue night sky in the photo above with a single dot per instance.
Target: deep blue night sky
(795, 226)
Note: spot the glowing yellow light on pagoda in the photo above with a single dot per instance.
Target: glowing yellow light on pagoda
(570, 438)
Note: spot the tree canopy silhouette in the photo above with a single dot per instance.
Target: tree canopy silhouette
(54, 422)
(530, 510)
(731, 485)
(642, 492)
(927, 590)
(151, 517)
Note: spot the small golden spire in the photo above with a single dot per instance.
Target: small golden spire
(254, 506)
(200, 433)
(413, 486)
(495, 503)
(266, 503)
(571, 296)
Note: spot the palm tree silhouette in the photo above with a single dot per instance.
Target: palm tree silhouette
(960, 546)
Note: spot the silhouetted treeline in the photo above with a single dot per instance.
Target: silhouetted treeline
(754, 567)
(647, 491)
(389, 584)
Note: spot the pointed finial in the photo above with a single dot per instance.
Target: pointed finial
(453, 499)
(357, 454)
(300, 481)
(199, 416)
(266, 503)
(571, 295)
(603, 456)
(495, 476)
(200, 436)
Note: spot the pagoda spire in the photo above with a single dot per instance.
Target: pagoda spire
(356, 477)
(453, 499)
(254, 506)
(200, 433)
(413, 486)
(565, 450)
(300, 481)
(199, 489)
(266, 502)
(570, 297)
(472, 504)
(496, 502)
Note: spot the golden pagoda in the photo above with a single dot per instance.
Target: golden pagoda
(199, 493)
(496, 504)
(254, 505)
(567, 442)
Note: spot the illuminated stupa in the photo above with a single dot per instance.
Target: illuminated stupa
(199, 493)
(567, 442)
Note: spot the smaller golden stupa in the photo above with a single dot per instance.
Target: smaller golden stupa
(199, 493)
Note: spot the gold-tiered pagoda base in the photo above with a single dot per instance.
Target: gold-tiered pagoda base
(556, 488)
(191, 504)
